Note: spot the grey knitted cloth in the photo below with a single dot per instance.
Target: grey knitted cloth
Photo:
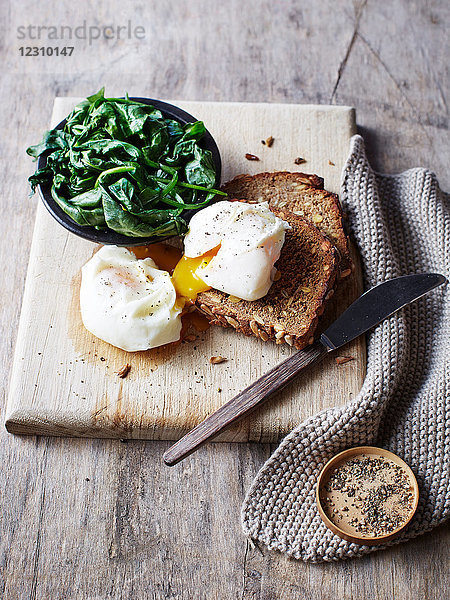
(401, 224)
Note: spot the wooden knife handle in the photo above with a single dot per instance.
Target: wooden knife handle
(236, 408)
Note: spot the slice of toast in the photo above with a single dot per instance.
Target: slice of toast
(302, 194)
(289, 312)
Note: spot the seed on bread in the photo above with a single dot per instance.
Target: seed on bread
(206, 310)
(254, 327)
(232, 321)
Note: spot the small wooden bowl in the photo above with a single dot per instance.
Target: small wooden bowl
(340, 530)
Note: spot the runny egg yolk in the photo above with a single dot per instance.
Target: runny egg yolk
(166, 257)
(186, 277)
(186, 281)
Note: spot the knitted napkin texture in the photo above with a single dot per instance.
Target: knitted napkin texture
(401, 225)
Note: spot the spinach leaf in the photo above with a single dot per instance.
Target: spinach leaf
(82, 213)
(119, 164)
(200, 170)
(52, 140)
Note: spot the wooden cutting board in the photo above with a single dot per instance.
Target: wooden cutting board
(64, 381)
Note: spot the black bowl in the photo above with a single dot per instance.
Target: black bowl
(109, 236)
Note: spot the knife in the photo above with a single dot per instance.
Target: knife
(368, 310)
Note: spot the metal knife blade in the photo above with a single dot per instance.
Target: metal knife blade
(377, 304)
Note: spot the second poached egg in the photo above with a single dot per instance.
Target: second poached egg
(128, 302)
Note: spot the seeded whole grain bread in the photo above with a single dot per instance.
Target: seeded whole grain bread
(302, 194)
(307, 269)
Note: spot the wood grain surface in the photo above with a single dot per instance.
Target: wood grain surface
(64, 380)
(246, 401)
(97, 519)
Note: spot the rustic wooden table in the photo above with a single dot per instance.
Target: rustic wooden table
(103, 519)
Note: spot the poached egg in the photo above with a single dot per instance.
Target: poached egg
(129, 302)
(231, 247)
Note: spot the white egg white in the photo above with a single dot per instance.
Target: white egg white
(250, 237)
(127, 302)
